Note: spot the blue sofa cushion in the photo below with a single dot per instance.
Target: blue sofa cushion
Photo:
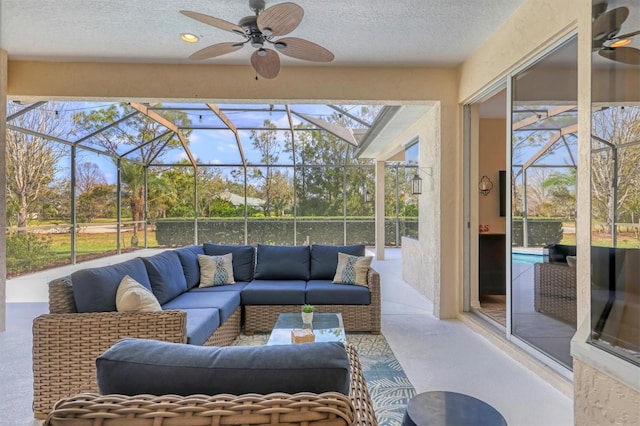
(282, 262)
(244, 258)
(238, 286)
(201, 323)
(166, 275)
(226, 301)
(189, 259)
(324, 259)
(94, 289)
(274, 292)
(324, 292)
(139, 366)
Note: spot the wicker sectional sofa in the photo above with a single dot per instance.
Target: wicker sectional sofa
(83, 321)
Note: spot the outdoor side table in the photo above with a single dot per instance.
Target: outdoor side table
(443, 408)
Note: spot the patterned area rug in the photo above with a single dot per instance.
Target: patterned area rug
(388, 385)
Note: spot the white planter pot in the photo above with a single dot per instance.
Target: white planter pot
(307, 317)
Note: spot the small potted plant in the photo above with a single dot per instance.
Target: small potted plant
(307, 314)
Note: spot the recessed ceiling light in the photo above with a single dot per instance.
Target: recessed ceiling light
(189, 38)
(621, 43)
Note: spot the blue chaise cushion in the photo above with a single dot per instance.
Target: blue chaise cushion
(166, 275)
(282, 262)
(190, 266)
(324, 259)
(94, 289)
(140, 366)
(244, 258)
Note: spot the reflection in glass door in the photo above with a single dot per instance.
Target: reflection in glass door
(543, 188)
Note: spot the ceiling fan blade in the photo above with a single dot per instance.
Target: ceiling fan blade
(606, 25)
(268, 66)
(280, 19)
(216, 50)
(303, 49)
(626, 55)
(628, 35)
(215, 22)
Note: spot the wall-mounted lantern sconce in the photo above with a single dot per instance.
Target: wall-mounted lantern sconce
(367, 196)
(416, 185)
(485, 185)
(416, 181)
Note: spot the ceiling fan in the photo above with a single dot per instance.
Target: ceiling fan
(259, 30)
(606, 40)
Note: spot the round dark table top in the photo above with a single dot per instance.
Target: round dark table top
(443, 408)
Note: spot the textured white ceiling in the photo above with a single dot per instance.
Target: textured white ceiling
(358, 32)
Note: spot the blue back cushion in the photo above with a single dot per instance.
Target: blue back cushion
(189, 259)
(244, 259)
(282, 262)
(166, 275)
(94, 289)
(324, 259)
(140, 366)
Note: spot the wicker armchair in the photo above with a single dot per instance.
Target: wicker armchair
(555, 291)
(330, 408)
(66, 343)
(362, 318)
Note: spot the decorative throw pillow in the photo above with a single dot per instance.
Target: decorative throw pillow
(352, 269)
(134, 297)
(216, 270)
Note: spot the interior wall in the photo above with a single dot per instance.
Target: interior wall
(492, 158)
(39, 80)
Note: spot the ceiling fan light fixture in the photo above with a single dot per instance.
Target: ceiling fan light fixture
(189, 38)
(262, 52)
(620, 43)
(256, 41)
(280, 45)
(267, 32)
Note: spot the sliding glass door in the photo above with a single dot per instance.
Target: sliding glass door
(543, 170)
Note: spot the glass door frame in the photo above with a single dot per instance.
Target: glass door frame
(469, 185)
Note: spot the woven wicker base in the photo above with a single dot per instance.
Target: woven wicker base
(555, 291)
(262, 318)
(227, 332)
(329, 408)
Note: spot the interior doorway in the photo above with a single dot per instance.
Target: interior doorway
(487, 188)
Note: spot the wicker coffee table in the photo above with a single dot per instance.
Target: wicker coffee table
(325, 327)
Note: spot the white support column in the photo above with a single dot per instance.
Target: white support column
(379, 210)
(3, 186)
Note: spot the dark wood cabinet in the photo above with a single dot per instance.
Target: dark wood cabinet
(491, 264)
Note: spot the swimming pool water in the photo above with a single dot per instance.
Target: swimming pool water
(528, 259)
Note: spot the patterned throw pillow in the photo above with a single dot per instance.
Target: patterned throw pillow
(352, 269)
(134, 297)
(216, 270)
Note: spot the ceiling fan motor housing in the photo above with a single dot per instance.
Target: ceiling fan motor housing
(256, 6)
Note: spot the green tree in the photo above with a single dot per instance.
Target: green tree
(98, 201)
(138, 134)
(266, 143)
